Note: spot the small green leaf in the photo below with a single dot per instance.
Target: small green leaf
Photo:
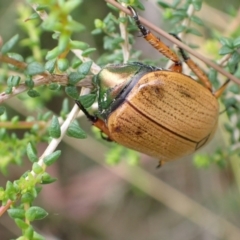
(193, 31)
(8, 90)
(27, 198)
(72, 92)
(32, 152)
(47, 179)
(96, 31)
(51, 158)
(35, 213)
(225, 50)
(75, 26)
(163, 4)
(33, 16)
(85, 67)
(33, 93)
(28, 233)
(46, 116)
(75, 131)
(52, 54)
(63, 64)
(233, 61)
(15, 119)
(180, 13)
(113, 155)
(13, 81)
(37, 168)
(69, 5)
(53, 86)
(175, 3)
(230, 101)
(75, 77)
(197, 4)
(98, 23)
(2, 110)
(140, 6)
(37, 236)
(42, 7)
(228, 42)
(29, 83)
(50, 65)
(201, 161)
(54, 129)
(197, 20)
(76, 62)
(63, 42)
(34, 68)
(9, 44)
(78, 45)
(21, 224)
(16, 213)
(236, 42)
(88, 52)
(65, 108)
(87, 100)
(234, 89)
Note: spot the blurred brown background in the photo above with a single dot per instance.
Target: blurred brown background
(92, 201)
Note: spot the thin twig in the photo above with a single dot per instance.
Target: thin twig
(55, 141)
(22, 125)
(12, 61)
(177, 42)
(44, 80)
(4, 208)
(124, 34)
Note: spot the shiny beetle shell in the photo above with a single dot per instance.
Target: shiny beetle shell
(166, 115)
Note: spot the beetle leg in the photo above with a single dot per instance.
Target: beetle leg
(194, 67)
(108, 139)
(100, 124)
(157, 43)
(160, 163)
(219, 92)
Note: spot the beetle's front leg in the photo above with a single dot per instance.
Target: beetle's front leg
(97, 122)
(157, 43)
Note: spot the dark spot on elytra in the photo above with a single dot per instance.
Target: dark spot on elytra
(185, 94)
(117, 129)
(138, 132)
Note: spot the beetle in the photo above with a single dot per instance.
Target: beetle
(160, 112)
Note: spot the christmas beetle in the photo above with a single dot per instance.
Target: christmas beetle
(160, 112)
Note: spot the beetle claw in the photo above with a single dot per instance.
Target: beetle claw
(108, 139)
(159, 164)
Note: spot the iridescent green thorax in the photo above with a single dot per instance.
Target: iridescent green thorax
(115, 82)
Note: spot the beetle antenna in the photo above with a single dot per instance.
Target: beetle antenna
(90, 117)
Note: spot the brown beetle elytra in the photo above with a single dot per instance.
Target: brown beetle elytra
(160, 112)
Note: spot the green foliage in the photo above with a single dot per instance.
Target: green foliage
(75, 131)
(177, 12)
(46, 65)
(9, 44)
(54, 128)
